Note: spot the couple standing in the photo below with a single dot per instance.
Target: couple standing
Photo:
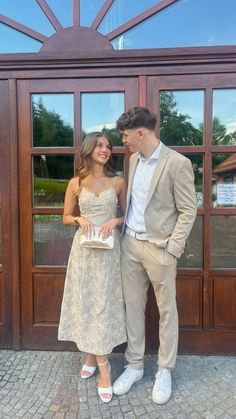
(159, 215)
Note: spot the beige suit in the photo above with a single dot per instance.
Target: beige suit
(169, 216)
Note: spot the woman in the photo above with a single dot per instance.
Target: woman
(92, 313)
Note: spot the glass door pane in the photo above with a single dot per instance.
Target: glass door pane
(99, 113)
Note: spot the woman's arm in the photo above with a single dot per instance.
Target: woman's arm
(122, 191)
(69, 217)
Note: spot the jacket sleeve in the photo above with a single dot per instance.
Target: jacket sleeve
(185, 201)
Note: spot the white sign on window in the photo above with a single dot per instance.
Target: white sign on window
(226, 194)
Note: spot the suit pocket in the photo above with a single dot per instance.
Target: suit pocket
(168, 257)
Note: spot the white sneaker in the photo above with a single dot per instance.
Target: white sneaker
(125, 381)
(162, 388)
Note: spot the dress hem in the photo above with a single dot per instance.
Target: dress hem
(81, 349)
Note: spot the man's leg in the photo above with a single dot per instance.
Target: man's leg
(135, 285)
(161, 268)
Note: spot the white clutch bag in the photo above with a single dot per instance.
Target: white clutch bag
(96, 241)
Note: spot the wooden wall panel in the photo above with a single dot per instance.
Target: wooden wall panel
(1, 300)
(6, 303)
(47, 297)
(189, 301)
(224, 307)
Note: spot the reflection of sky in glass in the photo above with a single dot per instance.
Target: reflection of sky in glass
(101, 109)
(63, 11)
(14, 41)
(28, 13)
(120, 12)
(224, 108)
(186, 23)
(62, 104)
(190, 103)
(89, 10)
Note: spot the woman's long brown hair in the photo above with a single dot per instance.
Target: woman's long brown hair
(88, 145)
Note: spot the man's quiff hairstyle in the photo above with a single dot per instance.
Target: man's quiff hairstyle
(137, 117)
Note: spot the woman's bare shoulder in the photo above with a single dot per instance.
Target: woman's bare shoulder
(120, 182)
(73, 183)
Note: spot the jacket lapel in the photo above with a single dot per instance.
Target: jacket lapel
(161, 162)
(132, 168)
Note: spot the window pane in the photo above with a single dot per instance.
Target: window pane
(181, 117)
(28, 13)
(224, 180)
(119, 164)
(50, 178)
(209, 16)
(89, 10)
(197, 164)
(53, 120)
(120, 12)
(52, 240)
(223, 241)
(192, 256)
(12, 41)
(63, 11)
(100, 112)
(224, 117)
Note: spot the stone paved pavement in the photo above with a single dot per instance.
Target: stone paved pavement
(40, 384)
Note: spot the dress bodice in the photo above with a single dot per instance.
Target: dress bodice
(98, 208)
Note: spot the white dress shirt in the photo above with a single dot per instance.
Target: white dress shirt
(139, 192)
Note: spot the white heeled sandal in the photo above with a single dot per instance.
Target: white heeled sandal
(105, 393)
(87, 371)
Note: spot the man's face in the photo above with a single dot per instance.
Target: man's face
(131, 138)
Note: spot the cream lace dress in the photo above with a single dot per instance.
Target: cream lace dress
(92, 312)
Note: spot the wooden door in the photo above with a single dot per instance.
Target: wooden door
(53, 116)
(197, 118)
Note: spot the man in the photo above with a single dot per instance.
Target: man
(161, 209)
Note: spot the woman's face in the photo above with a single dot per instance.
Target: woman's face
(102, 151)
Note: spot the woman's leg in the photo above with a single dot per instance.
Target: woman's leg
(90, 360)
(89, 367)
(104, 370)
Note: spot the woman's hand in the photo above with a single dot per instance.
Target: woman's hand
(86, 226)
(107, 228)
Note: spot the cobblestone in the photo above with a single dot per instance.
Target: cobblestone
(46, 385)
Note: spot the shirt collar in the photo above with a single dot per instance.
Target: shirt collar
(154, 156)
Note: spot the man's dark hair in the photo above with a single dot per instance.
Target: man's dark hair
(137, 117)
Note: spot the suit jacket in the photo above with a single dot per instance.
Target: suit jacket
(171, 203)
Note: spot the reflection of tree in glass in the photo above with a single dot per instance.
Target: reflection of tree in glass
(175, 129)
(49, 129)
(51, 174)
(220, 136)
(112, 133)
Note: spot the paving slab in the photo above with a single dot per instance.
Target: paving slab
(46, 384)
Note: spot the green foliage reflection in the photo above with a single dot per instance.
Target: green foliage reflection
(49, 129)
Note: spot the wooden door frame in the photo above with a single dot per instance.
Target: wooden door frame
(194, 61)
(10, 324)
(192, 337)
(38, 335)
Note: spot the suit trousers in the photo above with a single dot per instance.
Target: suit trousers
(143, 262)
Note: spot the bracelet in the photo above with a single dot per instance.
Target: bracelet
(76, 221)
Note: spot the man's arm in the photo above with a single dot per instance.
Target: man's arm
(185, 200)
